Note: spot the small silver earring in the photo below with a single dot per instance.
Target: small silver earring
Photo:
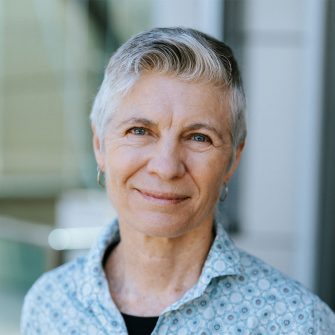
(224, 194)
(100, 176)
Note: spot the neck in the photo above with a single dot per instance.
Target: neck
(155, 270)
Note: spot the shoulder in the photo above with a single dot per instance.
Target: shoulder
(291, 306)
(53, 292)
(324, 317)
(267, 279)
(61, 280)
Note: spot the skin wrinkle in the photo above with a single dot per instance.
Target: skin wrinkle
(153, 128)
(164, 243)
(131, 295)
(224, 92)
(147, 123)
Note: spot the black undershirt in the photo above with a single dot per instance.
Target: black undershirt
(139, 325)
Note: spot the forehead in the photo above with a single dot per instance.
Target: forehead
(161, 96)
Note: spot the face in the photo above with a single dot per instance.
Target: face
(165, 155)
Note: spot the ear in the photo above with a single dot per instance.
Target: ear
(98, 150)
(235, 164)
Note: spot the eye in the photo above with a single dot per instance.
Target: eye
(200, 138)
(139, 131)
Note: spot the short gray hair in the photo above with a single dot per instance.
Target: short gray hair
(186, 53)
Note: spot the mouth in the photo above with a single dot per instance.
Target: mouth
(163, 198)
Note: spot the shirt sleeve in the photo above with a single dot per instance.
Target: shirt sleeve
(25, 317)
(33, 316)
(29, 315)
(324, 318)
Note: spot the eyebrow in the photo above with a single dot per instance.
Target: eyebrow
(136, 120)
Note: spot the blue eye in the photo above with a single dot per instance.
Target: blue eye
(200, 138)
(138, 131)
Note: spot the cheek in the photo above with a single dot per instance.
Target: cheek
(121, 164)
(119, 168)
(209, 171)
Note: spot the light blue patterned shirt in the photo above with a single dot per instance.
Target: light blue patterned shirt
(236, 294)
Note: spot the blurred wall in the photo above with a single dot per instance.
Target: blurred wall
(283, 71)
(48, 53)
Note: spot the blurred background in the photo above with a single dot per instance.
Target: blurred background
(52, 55)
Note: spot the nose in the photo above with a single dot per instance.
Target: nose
(166, 160)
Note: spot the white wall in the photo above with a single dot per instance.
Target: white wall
(204, 15)
(280, 168)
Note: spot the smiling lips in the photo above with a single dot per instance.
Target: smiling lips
(163, 198)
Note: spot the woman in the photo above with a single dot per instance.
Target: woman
(168, 132)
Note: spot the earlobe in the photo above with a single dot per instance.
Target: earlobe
(98, 151)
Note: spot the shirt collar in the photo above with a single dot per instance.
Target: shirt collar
(223, 260)
(93, 272)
